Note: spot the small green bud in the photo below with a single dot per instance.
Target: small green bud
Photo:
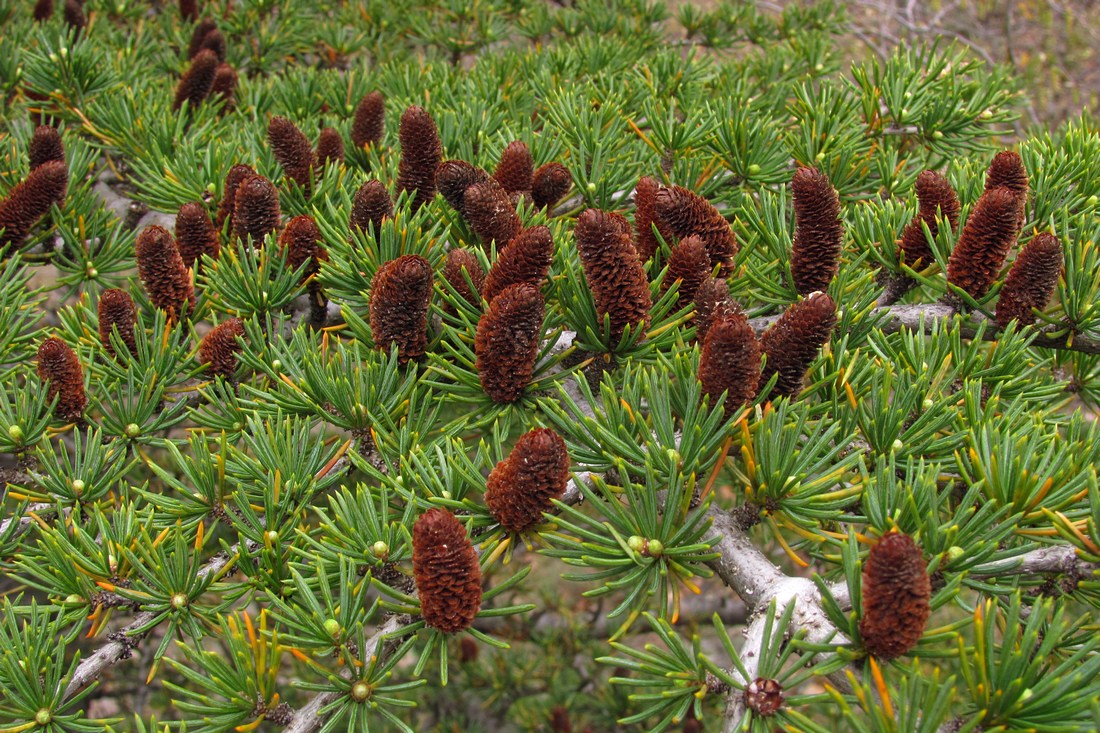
(954, 553)
(820, 156)
(276, 365)
(271, 537)
(15, 433)
(927, 404)
(348, 109)
(91, 272)
(656, 548)
(986, 114)
(43, 717)
(636, 543)
(332, 627)
(937, 135)
(754, 169)
(360, 691)
(53, 57)
(1092, 200)
(73, 598)
(77, 486)
(1026, 695)
(897, 445)
(211, 188)
(380, 550)
(818, 68)
(591, 187)
(133, 430)
(179, 601)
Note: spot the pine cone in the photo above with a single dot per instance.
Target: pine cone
(793, 342)
(986, 238)
(372, 204)
(163, 273)
(59, 368)
(369, 122)
(45, 147)
(516, 169)
(507, 342)
(189, 10)
(195, 234)
(198, 34)
(400, 294)
(1007, 171)
(614, 274)
(330, 147)
(453, 178)
(526, 260)
(1031, 280)
(301, 239)
(31, 200)
(43, 9)
(730, 361)
(219, 348)
(420, 155)
(818, 233)
(685, 214)
(237, 174)
(448, 576)
(689, 264)
(197, 81)
(490, 213)
(225, 86)
(117, 310)
(896, 593)
(457, 261)
(645, 201)
(520, 488)
(256, 213)
(937, 200)
(712, 301)
(549, 185)
(292, 150)
(214, 41)
(73, 13)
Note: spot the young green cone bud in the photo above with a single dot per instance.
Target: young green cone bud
(938, 201)
(1031, 280)
(459, 262)
(613, 271)
(117, 310)
(448, 575)
(371, 205)
(516, 170)
(645, 201)
(369, 121)
(549, 185)
(31, 200)
(292, 150)
(197, 81)
(896, 592)
(256, 213)
(507, 342)
(219, 348)
(689, 264)
(521, 487)
(453, 178)
(195, 234)
(490, 213)
(686, 213)
(45, 147)
(420, 155)
(400, 294)
(730, 362)
(818, 232)
(59, 368)
(330, 147)
(793, 342)
(986, 239)
(526, 260)
(163, 273)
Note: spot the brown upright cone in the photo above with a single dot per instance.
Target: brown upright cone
(1007, 171)
(448, 576)
(292, 150)
(330, 147)
(195, 234)
(225, 86)
(453, 178)
(526, 260)
(256, 213)
(685, 213)
(793, 342)
(460, 261)
(43, 9)
(730, 361)
(549, 185)
(712, 301)
(896, 596)
(1031, 280)
(73, 12)
(198, 34)
(645, 201)
(818, 232)
(689, 264)
(522, 486)
(371, 205)
(117, 310)
(490, 213)
(189, 10)
(516, 169)
(31, 200)
(60, 370)
(400, 294)
(986, 239)
(197, 81)
(937, 200)
(233, 180)
(214, 41)
(420, 155)
(301, 239)
(614, 273)
(45, 147)
(219, 348)
(369, 122)
(163, 273)
(507, 342)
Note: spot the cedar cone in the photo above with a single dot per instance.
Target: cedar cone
(453, 177)
(195, 234)
(690, 264)
(233, 180)
(225, 85)
(645, 199)
(292, 150)
(46, 146)
(730, 361)
(214, 41)
(301, 239)
(198, 34)
(73, 13)
(420, 155)
(457, 261)
(712, 301)
(896, 593)
(686, 213)
(520, 488)
(818, 232)
(400, 294)
(507, 342)
(1031, 280)
(1007, 171)
(448, 576)
(163, 273)
(59, 368)
(369, 122)
(197, 81)
(43, 9)
(30, 200)
(256, 213)
(117, 310)
(189, 10)
(330, 147)
(614, 273)
(526, 260)
(937, 200)
(986, 238)
(516, 169)
(550, 184)
(793, 342)
(490, 213)
(372, 204)
(219, 348)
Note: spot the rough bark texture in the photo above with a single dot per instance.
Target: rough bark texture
(793, 342)
(613, 271)
(521, 487)
(896, 593)
(401, 292)
(507, 342)
(1031, 280)
(818, 232)
(448, 576)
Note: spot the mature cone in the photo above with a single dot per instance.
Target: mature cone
(516, 169)
(712, 301)
(793, 342)
(400, 294)
(214, 41)
(526, 260)
(302, 241)
(521, 487)
(292, 150)
(45, 147)
(237, 174)
(549, 184)
(73, 13)
(1007, 171)
(614, 273)
(1031, 280)
(420, 155)
(195, 234)
(645, 201)
(818, 232)
(256, 213)
(690, 264)
(507, 342)
(189, 10)
(937, 200)
(59, 368)
(686, 213)
(163, 273)
(29, 201)
(986, 238)
(43, 9)
(371, 205)
(896, 592)
(490, 213)
(116, 310)
(225, 85)
(448, 576)
(198, 80)
(459, 260)
(453, 177)
(198, 35)
(219, 348)
(730, 361)
(369, 122)
(330, 147)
